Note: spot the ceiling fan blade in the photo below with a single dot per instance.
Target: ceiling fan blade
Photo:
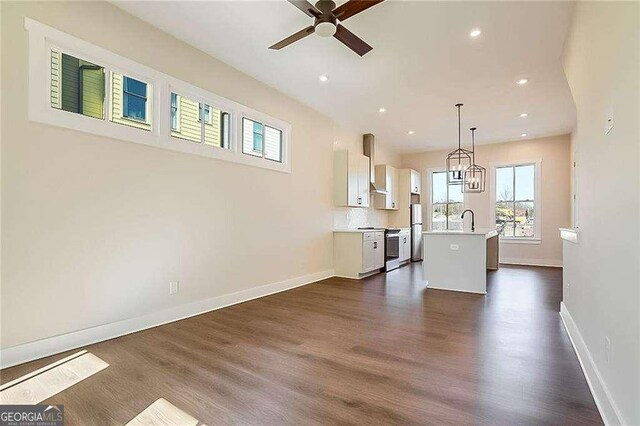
(352, 7)
(293, 38)
(306, 7)
(352, 41)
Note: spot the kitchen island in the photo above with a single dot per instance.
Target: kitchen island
(458, 260)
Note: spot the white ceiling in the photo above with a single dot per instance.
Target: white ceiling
(422, 63)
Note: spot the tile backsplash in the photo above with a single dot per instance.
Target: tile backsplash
(353, 217)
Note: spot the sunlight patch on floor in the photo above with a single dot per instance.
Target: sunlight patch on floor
(163, 413)
(45, 382)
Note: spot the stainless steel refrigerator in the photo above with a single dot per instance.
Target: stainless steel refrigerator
(416, 232)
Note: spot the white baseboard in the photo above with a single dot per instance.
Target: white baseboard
(607, 407)
(532, 262)
(456, 290)
(64, 342)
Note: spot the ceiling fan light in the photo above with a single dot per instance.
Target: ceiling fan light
(326, 29)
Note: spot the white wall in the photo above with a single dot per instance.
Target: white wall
(555, 192)
(601, 62)
(94, 229)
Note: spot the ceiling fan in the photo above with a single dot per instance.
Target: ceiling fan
(326, 16)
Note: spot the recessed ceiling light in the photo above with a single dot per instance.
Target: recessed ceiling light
(324, 78)
(522, 81)
(382, 110)
(475, 33)
(523, 115)
(524, 135)
(411, 132)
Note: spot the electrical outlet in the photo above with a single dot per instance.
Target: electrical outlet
(174, 287)
(454, 247)
(607, 349)
(609, 124)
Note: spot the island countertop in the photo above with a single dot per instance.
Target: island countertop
(485, 232)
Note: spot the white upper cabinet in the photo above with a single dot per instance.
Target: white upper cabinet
(351, 179)
(415, 182)
(361, 165)
(387, 177)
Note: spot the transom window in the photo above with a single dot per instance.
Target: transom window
(261, 140)
(85, 87)
(515, 200)
(199, 122)
(447, 203)
(77, 85)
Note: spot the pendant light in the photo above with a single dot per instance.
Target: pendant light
(458, 160)
(474, 176)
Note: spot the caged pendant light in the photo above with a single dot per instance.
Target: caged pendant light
(458, 160)
(475, 176)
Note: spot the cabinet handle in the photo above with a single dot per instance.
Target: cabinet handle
(375, 244)
(393, 204)
(359, 200)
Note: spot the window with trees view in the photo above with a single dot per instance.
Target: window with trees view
(515, 200)
(447, 203)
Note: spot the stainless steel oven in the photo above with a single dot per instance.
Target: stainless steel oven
(392, 249)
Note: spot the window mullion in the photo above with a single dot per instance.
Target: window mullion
(264, 139)
(513, 174)
(107, 92)
(446, 209)
(202, 130)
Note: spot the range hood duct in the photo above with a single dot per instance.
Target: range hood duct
(369, 149)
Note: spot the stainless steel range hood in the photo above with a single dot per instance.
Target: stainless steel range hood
(369, 149)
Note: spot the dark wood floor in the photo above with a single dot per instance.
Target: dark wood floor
(380, 350)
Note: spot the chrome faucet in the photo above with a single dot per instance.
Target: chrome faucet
(473, 221)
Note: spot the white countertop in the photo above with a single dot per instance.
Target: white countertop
(359, 230)
(367, 230)
(486, 232)
(570, 234)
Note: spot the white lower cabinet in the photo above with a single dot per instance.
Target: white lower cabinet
(372, 255)
(357, 253)
(405, 245)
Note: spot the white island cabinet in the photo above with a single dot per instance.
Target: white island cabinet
(358, 253)
(458, 260)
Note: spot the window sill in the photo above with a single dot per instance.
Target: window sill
(135, 120)
(511, 240)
